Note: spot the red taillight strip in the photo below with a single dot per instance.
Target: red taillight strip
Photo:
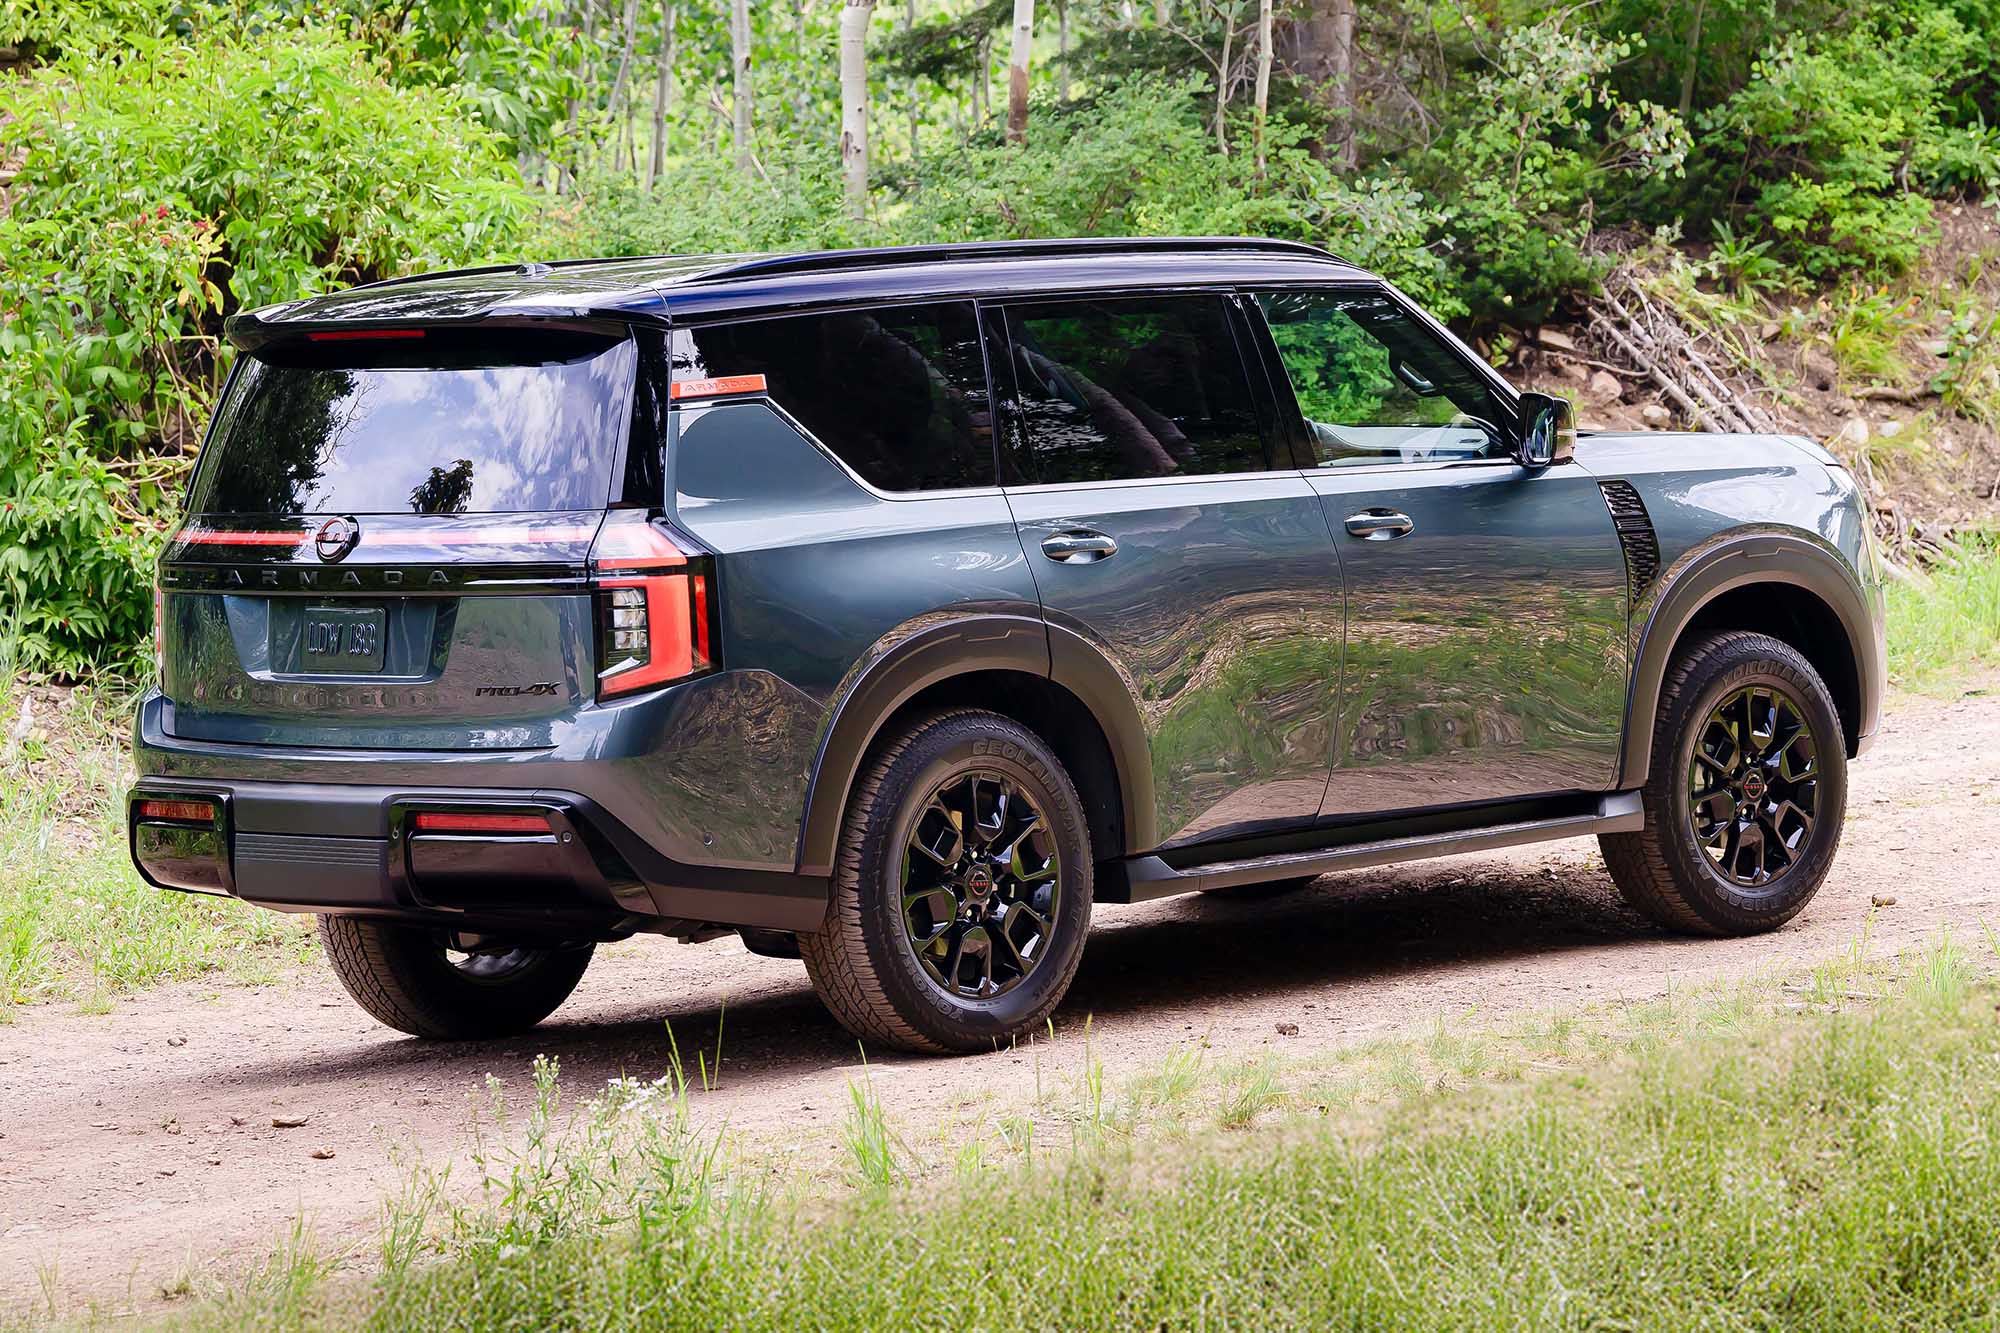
(449, 821)
(361, 335)
(669, 645)
(180, 812)
(225, 537)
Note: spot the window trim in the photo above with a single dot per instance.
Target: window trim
(1506, 396)
(1228, 297)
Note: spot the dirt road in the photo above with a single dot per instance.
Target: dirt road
(140, 1143)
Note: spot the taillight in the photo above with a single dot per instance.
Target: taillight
(653, 617)
(452, 821)
(177, 812)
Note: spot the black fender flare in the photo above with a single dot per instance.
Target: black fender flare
(1733, 563)
(960, 646)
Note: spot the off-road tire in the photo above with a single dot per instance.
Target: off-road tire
(402, 976)
(1661, 870)
(861, 963)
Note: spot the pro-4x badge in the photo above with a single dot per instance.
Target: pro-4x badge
(510, 691)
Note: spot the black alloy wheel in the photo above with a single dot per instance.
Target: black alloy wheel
(982, 886)
(1753, 786)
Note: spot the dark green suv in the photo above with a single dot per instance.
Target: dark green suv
(889, 608)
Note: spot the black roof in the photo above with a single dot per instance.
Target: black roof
(681, 287)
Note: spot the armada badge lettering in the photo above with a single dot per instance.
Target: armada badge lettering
(335, 538)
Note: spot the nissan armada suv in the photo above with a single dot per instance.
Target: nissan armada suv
(890, 608)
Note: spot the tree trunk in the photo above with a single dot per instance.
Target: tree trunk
(854, 18)
(1263, 77)
(1017, 71)
(1062, 50)
(621, 85)
(1326, 63)
(1222, 81)
(663, 96)
(1694, 54)
(913, 91)
(739, 64)
(982, 91)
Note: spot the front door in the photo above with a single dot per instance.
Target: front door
(1170, 526)
(1486, 614)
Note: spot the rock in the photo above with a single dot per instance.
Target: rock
(1889, 429)
(1883, 899)
(1855, 431)
(177, 1041)
(1820, 370)
(1561, 342)
(1655, 415)
(322, 1154)
(1937, 347)
(1603, 384)
(1288, 1029)
(288, 1121)
(1767, 331)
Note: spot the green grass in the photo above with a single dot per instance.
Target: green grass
(1770, 1154)
(1949, 619)
(76, 922)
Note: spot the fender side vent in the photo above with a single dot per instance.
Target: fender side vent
(1635, 534)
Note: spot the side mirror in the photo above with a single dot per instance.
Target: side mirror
(1548, 431)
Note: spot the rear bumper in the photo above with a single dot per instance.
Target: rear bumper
(351, 849)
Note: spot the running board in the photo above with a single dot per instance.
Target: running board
(1150, 877)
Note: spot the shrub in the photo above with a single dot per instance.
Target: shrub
(164, 184)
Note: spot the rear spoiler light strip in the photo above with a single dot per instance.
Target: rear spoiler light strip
(496, 536)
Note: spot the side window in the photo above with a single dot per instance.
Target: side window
(898, 394)
(1376, 386)
(1121, 389)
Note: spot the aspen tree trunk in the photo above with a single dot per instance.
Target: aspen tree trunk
(621, 87)
(916, 111)
(1263, 77)
(663, 96)
(1222, 81)
(739, 64)
(854, 18)
(982, 91)
(1017, 71)
(1326, 62)
(1062, 50)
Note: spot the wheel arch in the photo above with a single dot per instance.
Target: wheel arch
(1047, 678)
(1775, 584)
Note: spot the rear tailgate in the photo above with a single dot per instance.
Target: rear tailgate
(388, 543)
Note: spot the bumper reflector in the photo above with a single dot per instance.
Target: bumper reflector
(444, 821)
(178, 812)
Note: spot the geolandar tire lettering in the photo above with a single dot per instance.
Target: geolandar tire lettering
(962, 889)
(1747, 792)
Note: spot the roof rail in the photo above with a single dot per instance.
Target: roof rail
(813, 261)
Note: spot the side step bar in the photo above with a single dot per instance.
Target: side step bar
(1150, 877)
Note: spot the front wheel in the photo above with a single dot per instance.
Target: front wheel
(961, 894)
(1746, 795)
(410, 980)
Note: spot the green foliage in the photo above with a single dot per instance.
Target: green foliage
(160, 186)
(1534, 145)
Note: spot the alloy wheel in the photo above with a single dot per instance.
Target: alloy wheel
(982, 886)
(1753, 785)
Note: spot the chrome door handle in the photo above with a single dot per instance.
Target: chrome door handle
(1078, 547)
(1378, 525)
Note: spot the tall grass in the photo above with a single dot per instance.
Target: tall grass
(1948, 618)
(1827, 1166)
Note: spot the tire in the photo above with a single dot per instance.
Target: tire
(1270, 888)
(884, 984)
(1663, 870)
(403, 976)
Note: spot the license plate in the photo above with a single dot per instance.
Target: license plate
(344, 640)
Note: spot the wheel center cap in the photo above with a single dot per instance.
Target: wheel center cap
(1753, 786)
(979, 882)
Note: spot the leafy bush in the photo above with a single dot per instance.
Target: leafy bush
(163, 185)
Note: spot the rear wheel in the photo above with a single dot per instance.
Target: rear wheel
(409, 979)
(1746, 796)
(961, 896)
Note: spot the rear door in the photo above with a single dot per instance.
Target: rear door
(388, 538)
(1485, 601)
(1168, 524)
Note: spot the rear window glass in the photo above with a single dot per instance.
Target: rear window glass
(897, 394)
(303, 439)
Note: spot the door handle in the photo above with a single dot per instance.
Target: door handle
(1378, 525)
(1078, 547)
